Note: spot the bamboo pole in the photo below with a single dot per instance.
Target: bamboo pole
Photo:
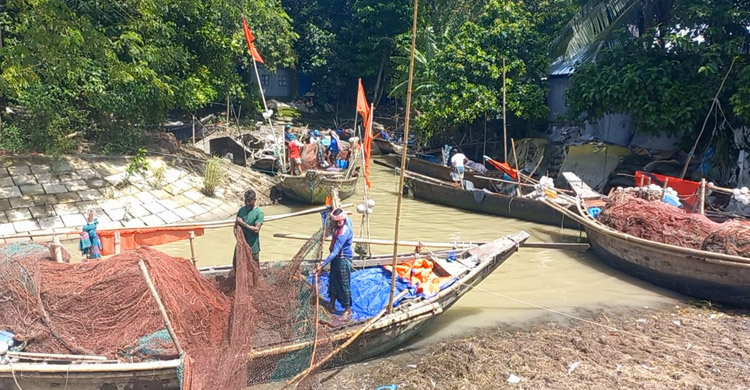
(702, 207)
(192, 121)
(191, 236)
(117, 243)
(505, 124)
(403, 150)
(54, 356)
(518, 168)
(162, 309)
(57, 248)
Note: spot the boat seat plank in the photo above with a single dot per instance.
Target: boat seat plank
(580, 187)
(451, 269)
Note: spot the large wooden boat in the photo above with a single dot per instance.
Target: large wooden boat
(383, 147)
(484, 198)
(471, 267)
(314, 186)
(705, 275)
(442, 172)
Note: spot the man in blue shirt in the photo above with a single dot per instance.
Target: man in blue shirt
(341, 263)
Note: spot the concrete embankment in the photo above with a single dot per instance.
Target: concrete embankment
(42, 196)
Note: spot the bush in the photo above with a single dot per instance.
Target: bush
(213, 175)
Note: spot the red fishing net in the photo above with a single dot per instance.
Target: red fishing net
(658, 221)
(264, 329)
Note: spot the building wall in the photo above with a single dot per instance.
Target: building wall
(280, 84)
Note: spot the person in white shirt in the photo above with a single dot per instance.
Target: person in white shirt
(457, 166)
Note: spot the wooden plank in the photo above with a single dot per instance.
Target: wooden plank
(580, 187)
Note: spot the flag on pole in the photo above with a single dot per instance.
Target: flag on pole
(249, 38)
(364, 109)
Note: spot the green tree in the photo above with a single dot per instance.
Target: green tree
(106, 72)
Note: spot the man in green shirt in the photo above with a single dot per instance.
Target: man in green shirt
(251, 219)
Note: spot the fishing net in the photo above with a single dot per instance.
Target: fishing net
(641, 214)
(732, 238)
(656, 221)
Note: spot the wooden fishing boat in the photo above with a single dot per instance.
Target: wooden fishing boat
(389, 330)
(706, 275)
(442, 172)
(487, 202)
(314, 186)
(383, 147)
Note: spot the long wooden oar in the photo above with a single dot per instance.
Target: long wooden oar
(449, 245)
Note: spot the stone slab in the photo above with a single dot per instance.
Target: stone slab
(161, 194)
(183, 212)
(6, 182)
(43, 200)
(85, 206)
(54, 188)
(86, 174)
(73, 220)
(137, 210)
(197, 209)
(4, 204)
(146, 197)
(169, 204)
(62, 166)
(50, 223)
(7, 229)
(4, 172)
(154, 207)
(116, 179)
(32, 189)
(109, 225)
(133, 223)
(169, 217)
(40, 169)
(116, 214)
(67, 209)
(76, 185)
(92, 194)
(195, 196)
(152, 220)
(21, 180)
(68, 197)
(42, 211)
(25, 226)
(96, 183)
(69, 176)
(47, 178)
(3, 218)
(25, 201)
(19, 170)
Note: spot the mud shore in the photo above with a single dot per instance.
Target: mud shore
(685, 347)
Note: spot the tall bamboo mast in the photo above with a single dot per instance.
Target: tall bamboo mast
(403, 152)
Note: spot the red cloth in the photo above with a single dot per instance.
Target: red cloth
(249, 38)
(136, 238)
(364, 110)
(504, 167)
(686, 189)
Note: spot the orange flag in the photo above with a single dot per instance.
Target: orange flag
(364, 109)
(249, 38)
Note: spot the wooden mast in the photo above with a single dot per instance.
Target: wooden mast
(403, 152)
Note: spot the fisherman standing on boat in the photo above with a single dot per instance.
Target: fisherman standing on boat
(250, 218)
(341, 263)
(457, 166)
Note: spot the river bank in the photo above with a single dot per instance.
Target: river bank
(667, 347)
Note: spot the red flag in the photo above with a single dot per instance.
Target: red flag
(249, 38)
(364, 109)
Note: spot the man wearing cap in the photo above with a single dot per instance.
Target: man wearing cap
(341, 263)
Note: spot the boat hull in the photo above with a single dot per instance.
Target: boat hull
(383, 147)
(489, 203)
(386, 333)
(313, 189)
(701, 277)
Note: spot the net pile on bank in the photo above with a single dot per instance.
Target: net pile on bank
(105, 308)
(657, 221)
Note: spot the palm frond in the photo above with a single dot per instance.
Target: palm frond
(594, 22)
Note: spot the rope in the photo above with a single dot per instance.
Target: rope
(609, 328)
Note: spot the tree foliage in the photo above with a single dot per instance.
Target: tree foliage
(666, 78)
(459, 67)
(88, 70)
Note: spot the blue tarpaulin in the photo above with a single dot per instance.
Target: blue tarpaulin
(371, 289)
